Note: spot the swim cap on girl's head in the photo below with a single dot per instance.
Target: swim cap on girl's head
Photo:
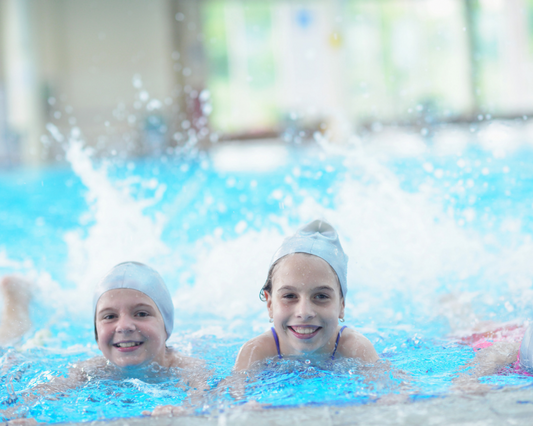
(137, 276)
(318, 238)
(526, 350)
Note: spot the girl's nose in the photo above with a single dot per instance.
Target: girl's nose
(125, 324)
(305, 310)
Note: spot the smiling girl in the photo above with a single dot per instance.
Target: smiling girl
(133, 318)
(304, 293)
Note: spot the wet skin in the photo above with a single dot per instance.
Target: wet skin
(305, 304)
(131, 335)
(131, 330)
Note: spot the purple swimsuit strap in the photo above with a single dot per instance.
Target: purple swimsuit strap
(276, 340)
(337, 341)
(334, 350)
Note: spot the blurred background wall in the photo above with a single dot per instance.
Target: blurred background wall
(141, 77)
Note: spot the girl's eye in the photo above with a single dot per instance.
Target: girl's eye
(142, 314)
(322, 296)
(289, 296)
(109, 316)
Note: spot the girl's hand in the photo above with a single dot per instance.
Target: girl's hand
(166, 411)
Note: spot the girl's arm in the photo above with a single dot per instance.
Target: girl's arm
(251, 353)
(76, 377)
(486, 362)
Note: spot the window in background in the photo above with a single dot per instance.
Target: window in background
(238, 45)
(280, 63)
(406, 59)
(503, 55)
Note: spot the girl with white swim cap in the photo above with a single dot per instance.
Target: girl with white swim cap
(133, 318)
(304, 293)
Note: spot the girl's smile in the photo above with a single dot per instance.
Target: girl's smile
(127, 346)
(130, 328)
(304, 332)
(305, 304)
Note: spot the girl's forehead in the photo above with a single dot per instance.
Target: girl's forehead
(308, 267)
(304, 271)
(303, 264)
(120, 297)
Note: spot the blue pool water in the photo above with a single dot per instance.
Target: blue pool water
(417, 226)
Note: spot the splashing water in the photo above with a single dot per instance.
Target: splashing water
(118, 228)
(419, 224)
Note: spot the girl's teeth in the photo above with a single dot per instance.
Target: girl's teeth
(127, 345)
(304, 330)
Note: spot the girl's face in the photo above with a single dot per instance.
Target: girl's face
(305, 304)
(131, 331)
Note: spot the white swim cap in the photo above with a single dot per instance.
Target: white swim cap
(137, 276)
(526, 350)
(320, 239)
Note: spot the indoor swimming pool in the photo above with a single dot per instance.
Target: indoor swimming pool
(438, 230)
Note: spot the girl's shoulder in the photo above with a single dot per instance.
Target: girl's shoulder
(91, 365)
(84, 370)
(178, 360)
(256, 349)
(353, 344)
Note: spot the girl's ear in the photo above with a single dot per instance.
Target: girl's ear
(341, 313)
(268, 298)
(97, 341)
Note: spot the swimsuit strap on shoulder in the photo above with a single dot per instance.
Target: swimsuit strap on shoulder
(277, 341)
(337, 341)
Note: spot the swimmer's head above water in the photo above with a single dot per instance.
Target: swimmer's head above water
(305, 289)
(133, 315)
(304, 293)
